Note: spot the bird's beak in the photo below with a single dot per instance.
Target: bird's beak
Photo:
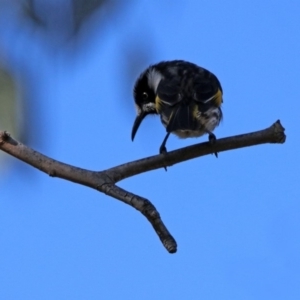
(137, 123)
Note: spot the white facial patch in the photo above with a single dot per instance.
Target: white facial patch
(154, 78)
(146, 107)
(149, 107)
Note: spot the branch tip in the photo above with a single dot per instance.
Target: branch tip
(170, 245)
(4, 135)
(279, 132)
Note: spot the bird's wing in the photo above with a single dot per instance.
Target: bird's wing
(207, 91)
(168, 92)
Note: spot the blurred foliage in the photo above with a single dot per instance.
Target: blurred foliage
(30, 13)
(34, 28)
(83, 9)
(79, 11)
(8, 102)
(8, 105)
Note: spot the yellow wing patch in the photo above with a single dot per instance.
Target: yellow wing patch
(218, 99)
(158, 104)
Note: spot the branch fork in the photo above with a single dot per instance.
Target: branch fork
(105, 181)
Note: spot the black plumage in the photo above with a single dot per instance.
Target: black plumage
(187, 97)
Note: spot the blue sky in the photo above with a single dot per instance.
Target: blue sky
(235, 218)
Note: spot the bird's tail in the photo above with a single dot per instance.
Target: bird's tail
(182, 118)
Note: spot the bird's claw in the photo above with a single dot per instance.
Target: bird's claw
(212, 139)
(163, 150)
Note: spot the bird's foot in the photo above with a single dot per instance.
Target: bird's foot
(163, 150)
(212, 139)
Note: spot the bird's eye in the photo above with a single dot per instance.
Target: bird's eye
(145, 96)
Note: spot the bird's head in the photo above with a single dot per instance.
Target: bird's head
(144, 95)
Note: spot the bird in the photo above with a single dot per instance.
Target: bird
(187, 98)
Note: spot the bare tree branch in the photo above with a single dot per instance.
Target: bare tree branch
(273, 134)
(105, 181)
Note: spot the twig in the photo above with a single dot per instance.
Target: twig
(105, 181)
